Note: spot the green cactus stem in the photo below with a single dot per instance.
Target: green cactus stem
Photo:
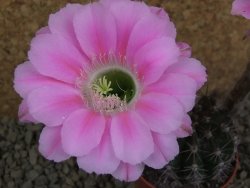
(206, 157)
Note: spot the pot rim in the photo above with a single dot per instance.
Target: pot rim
(225, 185)
(232, 176)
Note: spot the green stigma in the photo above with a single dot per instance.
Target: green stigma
(102, 86)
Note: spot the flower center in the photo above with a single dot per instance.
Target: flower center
(112, 90)
(115, 82)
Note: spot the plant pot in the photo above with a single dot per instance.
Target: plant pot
(231, 178)
(143, 183)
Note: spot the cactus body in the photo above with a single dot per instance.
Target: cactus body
(206, 157)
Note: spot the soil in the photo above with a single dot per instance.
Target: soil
(215, 35)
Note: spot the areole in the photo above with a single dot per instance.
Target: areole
(143, 183)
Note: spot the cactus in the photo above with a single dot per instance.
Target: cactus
(206, 157)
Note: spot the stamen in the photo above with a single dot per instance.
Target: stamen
(107, 104)
(109, 84)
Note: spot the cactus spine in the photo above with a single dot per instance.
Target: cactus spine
(206, 157)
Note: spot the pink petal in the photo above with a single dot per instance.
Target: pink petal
(190, 67)
(166, 148)
(153, 58)
(134, 12)
(110, 2)
(95, 30)
(180, 86)
(161, 13)
(241, 7)
(61, 23)
(127, 172)
(55, 57)
(24, 114)
(155, 28)
(43, 30)
(185, 129)
(50, 145)
(82, 132)
(52, 105)
(102, 159)
(186, 50)
(27, 79)
(132, 140)
(162, 113)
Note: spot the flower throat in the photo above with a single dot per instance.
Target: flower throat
(112, 90)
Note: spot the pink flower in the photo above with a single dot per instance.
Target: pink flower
(111, 86)
(241, 7)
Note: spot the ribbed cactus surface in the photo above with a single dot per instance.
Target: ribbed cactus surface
(207, 157)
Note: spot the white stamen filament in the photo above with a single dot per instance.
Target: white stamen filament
(107, 104)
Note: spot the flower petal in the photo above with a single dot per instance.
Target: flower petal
(24, 114)
(159, 12)
(82, 131)
(241, 7)
(109, 3)
(166, 148)
(154, 57)
(102, 159)
(50, 145)
(162, 113)
(162, 14)
(186, 50)
(95, 30)
(180, 86)
(27, 79)
(127, 172)
(55, 57)
(155, 27)
(52, 105)
(61, 23)
(185, 129)
(134, 11)
(190, 67)
(132, 140)
(43, 30)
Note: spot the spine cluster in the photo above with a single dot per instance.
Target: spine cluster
(207, 157)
